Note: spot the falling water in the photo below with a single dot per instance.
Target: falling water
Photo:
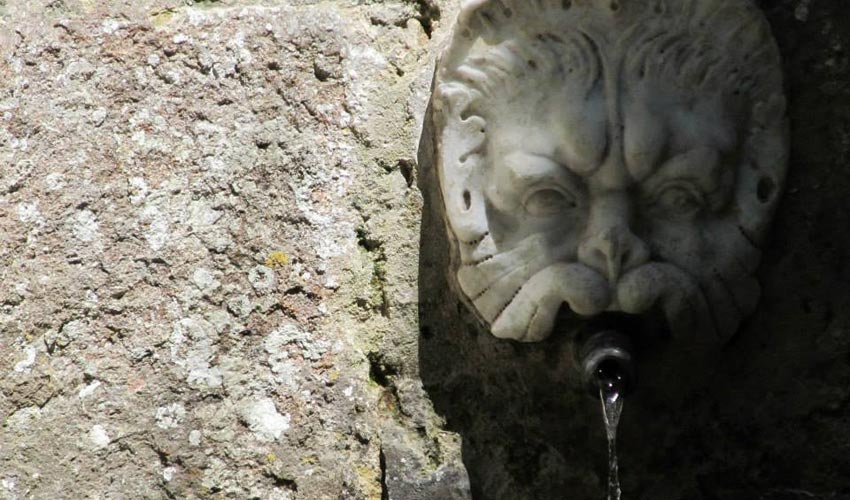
(612, 407)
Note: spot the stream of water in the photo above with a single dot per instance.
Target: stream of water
(612, 407)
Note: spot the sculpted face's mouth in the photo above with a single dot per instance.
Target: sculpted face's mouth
(520, 297)
(654, 290)
(643, 330)
(667, 290)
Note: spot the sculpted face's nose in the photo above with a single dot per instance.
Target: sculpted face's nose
(609, 245)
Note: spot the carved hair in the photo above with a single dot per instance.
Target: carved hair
(697, 45)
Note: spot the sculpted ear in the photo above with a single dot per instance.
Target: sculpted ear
(461, 162)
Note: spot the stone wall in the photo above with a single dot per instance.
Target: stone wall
(211, 283)
(208, 247)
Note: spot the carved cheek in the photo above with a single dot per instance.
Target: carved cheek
(545, 210)
(679, 242)
(529, 195)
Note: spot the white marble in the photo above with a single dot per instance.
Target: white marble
(612, 155)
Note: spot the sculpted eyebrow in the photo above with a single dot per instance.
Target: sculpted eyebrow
(702, 165)
(531, 168)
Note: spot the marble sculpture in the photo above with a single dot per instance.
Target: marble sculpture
(615, 155)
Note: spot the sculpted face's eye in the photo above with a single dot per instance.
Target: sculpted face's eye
(678, 199)
(549, 201)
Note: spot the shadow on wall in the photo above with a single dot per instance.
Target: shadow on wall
(768, 418)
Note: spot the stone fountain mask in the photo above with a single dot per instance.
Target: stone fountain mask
(616, 155)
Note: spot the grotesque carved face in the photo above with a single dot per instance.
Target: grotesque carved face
(613, 156)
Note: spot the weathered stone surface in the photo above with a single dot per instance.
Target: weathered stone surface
(208, 237)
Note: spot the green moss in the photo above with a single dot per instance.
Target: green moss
(379, 298)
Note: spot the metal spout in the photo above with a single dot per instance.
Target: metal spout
(606, 363)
